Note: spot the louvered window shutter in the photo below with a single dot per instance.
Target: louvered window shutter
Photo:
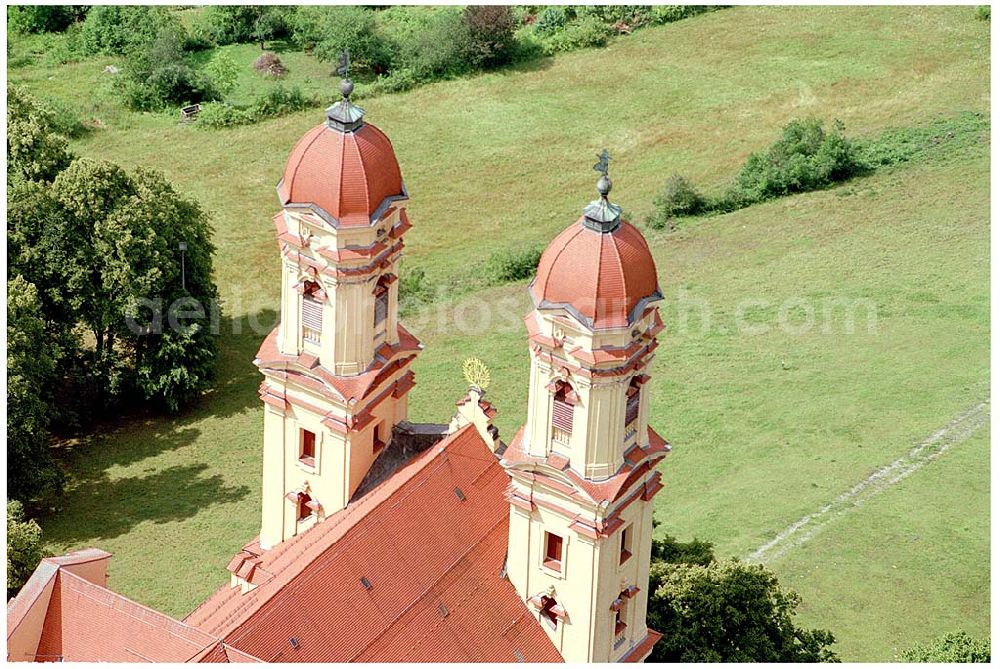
(312, 318)
(562, 414)
(381, 305)
(632, 406)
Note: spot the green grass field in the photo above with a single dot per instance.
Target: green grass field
(766, 427)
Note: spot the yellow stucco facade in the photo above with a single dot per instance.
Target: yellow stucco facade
(320, 438)
(572, 494)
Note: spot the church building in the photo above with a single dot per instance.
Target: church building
(384, 540)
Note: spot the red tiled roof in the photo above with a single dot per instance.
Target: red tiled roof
(87, 622)
(601, 276)
(433, 561)
(347, 175)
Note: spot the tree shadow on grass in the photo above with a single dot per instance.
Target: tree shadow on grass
(101, 508)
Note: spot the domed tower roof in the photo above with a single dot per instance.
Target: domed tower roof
(345, 169)
(599, 268)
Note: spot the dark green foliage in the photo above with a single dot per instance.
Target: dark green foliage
(278, 101)
(678, 198)
(34, 149)
(27, 19)
(728, 612)
(414, 289)
(104, 244)
(587, 31)
(158, 75)
(671, 13)
(550, 20)
(31, 374)
(807, 157)
(131, 225)
(328, 30)
(24, 547)
(230, 24)
(512, 264)
(951, 647)
(121, 29)
(430, 44)
(983, 12)
(668, 549)
(224, 115)
(489, 31)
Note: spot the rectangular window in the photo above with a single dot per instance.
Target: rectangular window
(381, 305)
(307, 448)
(312, 318)
(378, 438)
(632, 406)
(553, 551)
(626, 545)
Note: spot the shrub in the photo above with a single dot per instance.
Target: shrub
(489, 31)
(550, 20)
(276, 102)
(668, 549)
(122, 29)
(671, 13)
(431, 43)
(627, 16)
(414, 289)
(329, 30)
(223, 115)
(223, 71)
(230, 24)
(28, 19)
(512, 264)
(268, 63)
(588, 31)
(952, 647)
(983, 12)
(24, 547)
(805, 158)
(399, 80)
(281, 100)
(678, 198)
(158, 75)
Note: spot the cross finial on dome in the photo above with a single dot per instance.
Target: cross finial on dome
(345, 116)
(601, 215)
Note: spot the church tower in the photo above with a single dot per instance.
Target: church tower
(584, 467)
(336, 368)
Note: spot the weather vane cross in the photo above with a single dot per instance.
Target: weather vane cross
(344, 68)
(602, 162)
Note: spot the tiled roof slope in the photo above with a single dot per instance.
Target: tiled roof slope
(87, 622)
(347, 175)
(433, 562)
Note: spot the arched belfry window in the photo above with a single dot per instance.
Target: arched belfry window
(382, 301)
(632, 402)
(312, 311)
(564, 401)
